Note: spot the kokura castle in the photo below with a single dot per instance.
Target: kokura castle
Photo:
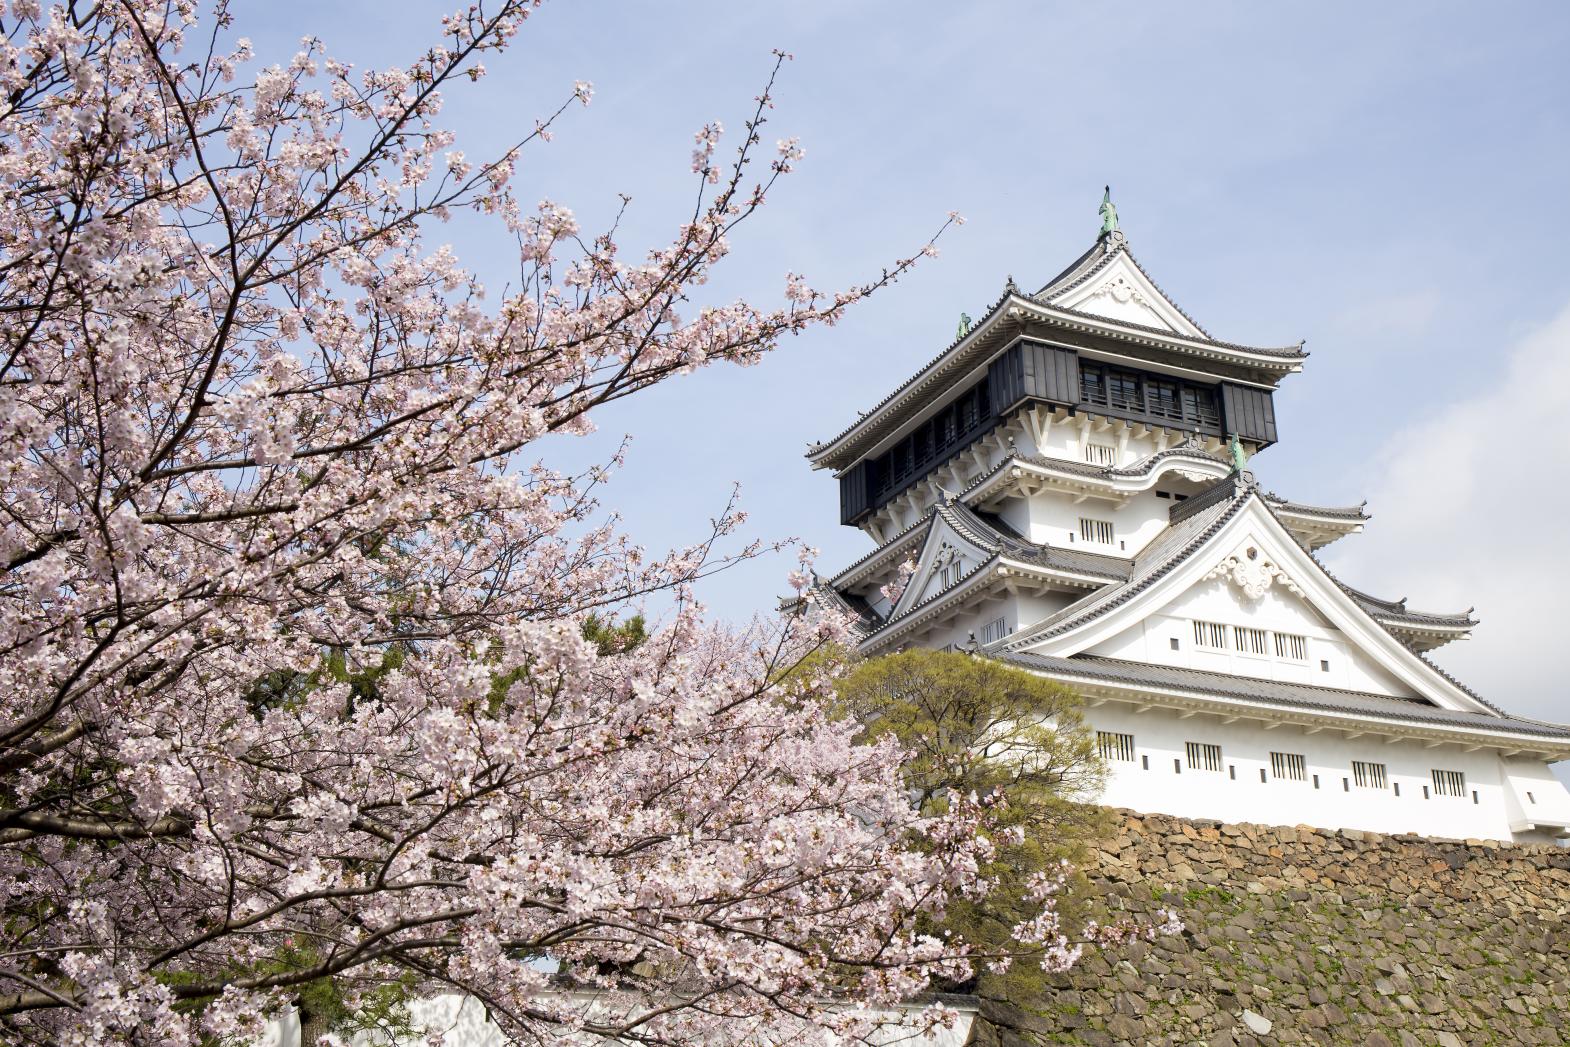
(1069, 478)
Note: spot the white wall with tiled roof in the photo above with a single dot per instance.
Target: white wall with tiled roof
(1160, 780)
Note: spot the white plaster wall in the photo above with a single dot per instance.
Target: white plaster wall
(1533, 795)
(1279, 610)
(1066, 439)
(1053, 519)
(1236, 794)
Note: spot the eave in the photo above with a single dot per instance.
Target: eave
(1508, 742)
(1084, 481)
(991, 573)
(991, 333)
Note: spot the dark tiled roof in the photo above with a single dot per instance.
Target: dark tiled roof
(1143, 467)
(993, 533)
(1396, 611)
(1088, 265)
(1193, 522)
(899, 539)
(1340, 512)
(1282, 352)
(866, 618)
(915, 378)
(1085, 267)
(1276, 692)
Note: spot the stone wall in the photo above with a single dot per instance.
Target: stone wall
(1313, 936)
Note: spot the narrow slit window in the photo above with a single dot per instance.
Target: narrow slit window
(1369, 775)
(1098, 531)
(1292, 648)
(1100, 454)
(1210, 635)
(1119, 747)
(1250, 640)
(1204, 757)
(1449, 783)
(1289, 767)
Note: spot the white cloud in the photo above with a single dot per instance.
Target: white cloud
(1471, 506)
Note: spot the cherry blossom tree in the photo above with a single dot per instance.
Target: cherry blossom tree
(294, 680)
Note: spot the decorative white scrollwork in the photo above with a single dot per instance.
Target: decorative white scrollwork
(1121, 291)
(1252, 575)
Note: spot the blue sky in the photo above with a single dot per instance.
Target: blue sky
(1387, 182)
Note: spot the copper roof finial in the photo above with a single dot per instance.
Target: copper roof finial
(1109, 214)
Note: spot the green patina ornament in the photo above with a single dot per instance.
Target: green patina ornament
(964, 325)
(1109, 213)
(1239, 459)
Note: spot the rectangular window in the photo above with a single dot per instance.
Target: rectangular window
(1449, 783)
(1101, 454)
(1099, 531)
(1092, 389)
(1288, 767)
(1292, 648)
(1162, 399)
(1369, 775)
(1203, 757)
(1123, 391)
(996, 629)
(1115, 746)
(1250, 640)
(1210, 635)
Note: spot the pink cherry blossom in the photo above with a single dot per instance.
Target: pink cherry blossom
(293, 675)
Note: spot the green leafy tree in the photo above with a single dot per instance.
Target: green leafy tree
(974, 725)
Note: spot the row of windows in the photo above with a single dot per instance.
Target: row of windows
(1147, 394)
(1245, 639)
(933, 440)
(1287, 767)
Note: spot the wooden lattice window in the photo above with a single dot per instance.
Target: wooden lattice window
(1369, 775)
(1291, 767)
(1203, 756)
(1114, 746)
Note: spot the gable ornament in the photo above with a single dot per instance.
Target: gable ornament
(1252, 575)
(1121, 291)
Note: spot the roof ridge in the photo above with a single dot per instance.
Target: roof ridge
(1067, 618)
(1259, 689)
(925, 517)
(1285, 352)
(974, 329)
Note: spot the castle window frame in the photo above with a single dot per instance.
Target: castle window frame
(1115, 747)
(1290, 647)
(1100, 454)
(1367, 775)
(1203, 756)
(994, 630)
(1289, 767)
(1251, 641)
(1097, 532)
(1210, 636)
(1449, 783)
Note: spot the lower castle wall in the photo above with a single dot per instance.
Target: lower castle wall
(1497, 793)
(1318, 936)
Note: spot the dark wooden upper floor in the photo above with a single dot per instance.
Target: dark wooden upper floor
(1036, 372)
